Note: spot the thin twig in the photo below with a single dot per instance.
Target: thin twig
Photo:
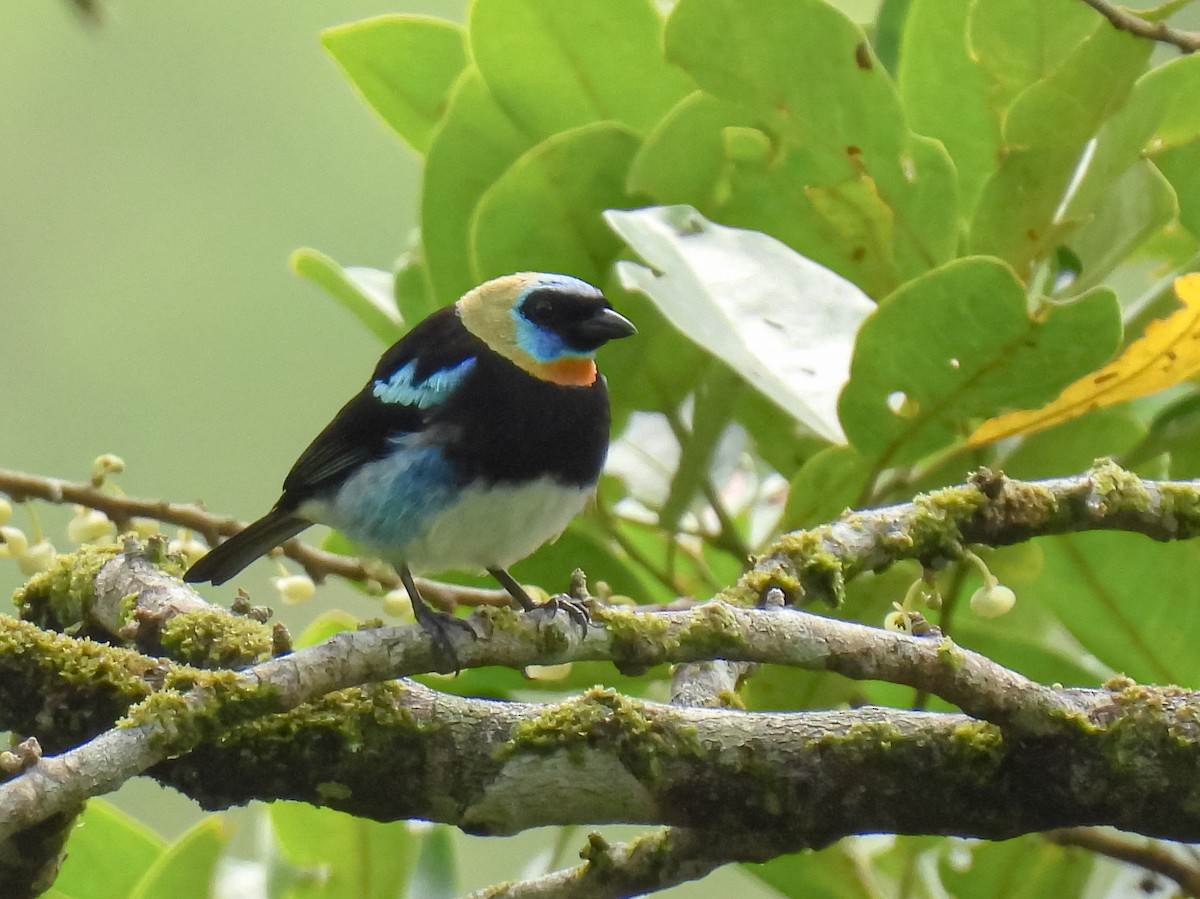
(650, 863)
(1125, 20)
(317, 563)
(1144, 853)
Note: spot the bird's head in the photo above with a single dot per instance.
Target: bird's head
(548, 325)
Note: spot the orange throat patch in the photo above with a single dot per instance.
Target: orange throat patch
(570, 372)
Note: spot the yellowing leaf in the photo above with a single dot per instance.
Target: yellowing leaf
(1167, 353)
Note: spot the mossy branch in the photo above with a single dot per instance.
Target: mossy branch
(991, 510)
(1047, 737)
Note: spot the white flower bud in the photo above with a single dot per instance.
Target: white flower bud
(992, 600)
(15, 541)
(103, 466)
(89, 526)
(295, 588)
(39, 557)
(896, 621)
(548, 672)
(5, 510)
(145, 527)
(188, 546)
(397, 604)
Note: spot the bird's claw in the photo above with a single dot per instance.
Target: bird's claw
(576, 609)
(439, 625)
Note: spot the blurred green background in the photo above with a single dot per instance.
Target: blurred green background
(155, 174)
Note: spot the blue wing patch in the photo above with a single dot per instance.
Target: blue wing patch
(404, 388)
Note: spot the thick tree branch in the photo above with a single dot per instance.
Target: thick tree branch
(188, 709)
(802, 779)
(664, 858)
(1125, 20)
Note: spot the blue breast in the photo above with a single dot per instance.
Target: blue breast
(388, 503)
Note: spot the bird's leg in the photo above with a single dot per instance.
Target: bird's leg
(515, 590)
(436, 624)
(575, 608)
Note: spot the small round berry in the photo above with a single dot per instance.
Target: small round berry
(15, 542)
(992, 600)
(39, 557)
(103, 466)
(89, 526)
(188, 546)
(145, 527)
(295, 588)
(398, 604)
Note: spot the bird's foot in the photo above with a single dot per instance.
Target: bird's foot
(440, 626)
(576, 609)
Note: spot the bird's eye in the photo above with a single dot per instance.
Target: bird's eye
(538, 308)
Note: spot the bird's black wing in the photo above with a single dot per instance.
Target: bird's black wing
(362, 430)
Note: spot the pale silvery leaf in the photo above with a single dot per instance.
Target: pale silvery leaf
(375, 285)
(781, 321)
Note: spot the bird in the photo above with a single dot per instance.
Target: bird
(481, 433)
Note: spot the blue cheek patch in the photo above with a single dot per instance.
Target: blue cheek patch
(542, 345)
(403, 388)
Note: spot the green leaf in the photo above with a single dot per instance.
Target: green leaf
(889, 27)
(357, 857)
(1019, 42)
(107, 853)
(404, 67)
(414, 294)
(581, 546)
(554, 67)
(324, 626)
(959, 343)
(715, 399)
(472, 148)
(1174, 430)
(1176, 82)
(1156, 118)
(683, 159)
(1139, 205)
(641, 380)
(827, 484)
(436, 876)
(831, 873)
(366, 293)
(778, 320)
(1181, 166)
(849, 137)
(1073, 445)
(185, 870)
(544, 213)
(1121, 596)
(1030, 639)
(948, 100)
(1025, 868)
(1045, 132)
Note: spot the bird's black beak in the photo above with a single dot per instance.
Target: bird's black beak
(607, 325)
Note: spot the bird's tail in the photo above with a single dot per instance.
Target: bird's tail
(230, 557)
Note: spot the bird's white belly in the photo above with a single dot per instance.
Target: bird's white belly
(492, 527)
